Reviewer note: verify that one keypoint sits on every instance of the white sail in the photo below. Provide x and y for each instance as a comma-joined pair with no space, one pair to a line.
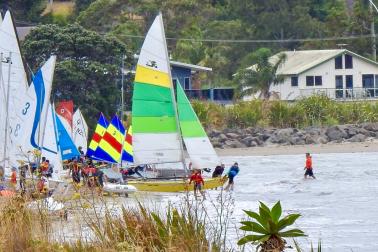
30,114
13,82
50,148
80,131
156,136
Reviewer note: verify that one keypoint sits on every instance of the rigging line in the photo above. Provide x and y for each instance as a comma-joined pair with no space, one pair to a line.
256,40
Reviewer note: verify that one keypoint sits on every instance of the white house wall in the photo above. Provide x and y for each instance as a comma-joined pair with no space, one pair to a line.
328,72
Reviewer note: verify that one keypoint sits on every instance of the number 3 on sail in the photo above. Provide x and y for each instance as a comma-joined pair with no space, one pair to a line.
25,110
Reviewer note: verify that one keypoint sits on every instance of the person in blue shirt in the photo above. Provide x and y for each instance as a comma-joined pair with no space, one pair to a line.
234,170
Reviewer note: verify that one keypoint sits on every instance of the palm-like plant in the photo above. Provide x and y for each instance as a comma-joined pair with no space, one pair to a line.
260,76
268,228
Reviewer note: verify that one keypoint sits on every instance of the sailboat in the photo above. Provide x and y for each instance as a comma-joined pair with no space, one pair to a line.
158,130
13,82
80,131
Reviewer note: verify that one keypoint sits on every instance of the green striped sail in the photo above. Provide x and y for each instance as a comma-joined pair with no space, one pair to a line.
200,150
155,133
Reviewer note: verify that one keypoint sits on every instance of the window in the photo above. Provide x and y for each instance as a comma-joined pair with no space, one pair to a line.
349,85
318,81
339,62
348,81
348,61
339,93
309,80
187,83
368,84
294,81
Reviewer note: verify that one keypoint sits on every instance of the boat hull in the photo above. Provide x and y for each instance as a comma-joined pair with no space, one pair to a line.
118,188
174,185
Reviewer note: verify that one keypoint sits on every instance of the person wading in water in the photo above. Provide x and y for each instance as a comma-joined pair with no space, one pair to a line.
308,167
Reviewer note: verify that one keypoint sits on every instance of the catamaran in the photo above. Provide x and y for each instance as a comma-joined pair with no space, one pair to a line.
160,123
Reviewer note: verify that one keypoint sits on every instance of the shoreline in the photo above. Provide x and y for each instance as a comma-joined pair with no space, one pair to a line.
345,147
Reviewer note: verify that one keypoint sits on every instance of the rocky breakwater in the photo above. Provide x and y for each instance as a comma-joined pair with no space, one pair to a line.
253,137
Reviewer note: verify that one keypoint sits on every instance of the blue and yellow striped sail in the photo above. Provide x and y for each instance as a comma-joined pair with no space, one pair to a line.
102,125
111,144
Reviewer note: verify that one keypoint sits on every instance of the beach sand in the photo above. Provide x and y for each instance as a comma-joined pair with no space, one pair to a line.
347,147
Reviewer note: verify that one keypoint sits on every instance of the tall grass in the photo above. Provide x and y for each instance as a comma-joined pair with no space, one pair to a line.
317,110
183,227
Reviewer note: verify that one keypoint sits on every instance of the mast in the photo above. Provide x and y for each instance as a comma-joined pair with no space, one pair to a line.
173,94
122,104
9,61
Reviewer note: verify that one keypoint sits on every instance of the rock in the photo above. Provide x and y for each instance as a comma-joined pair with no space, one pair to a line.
322,140
310,139
336,133
252,144
232,135
233,144
297,140
312,131
247,140
351,131
222,137
358,138
214,133
370,126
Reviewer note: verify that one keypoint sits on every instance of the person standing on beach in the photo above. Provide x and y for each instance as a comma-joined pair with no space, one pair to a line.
234,170
308,167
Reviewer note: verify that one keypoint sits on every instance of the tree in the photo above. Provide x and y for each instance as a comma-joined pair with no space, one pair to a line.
268,232
261,75
87,69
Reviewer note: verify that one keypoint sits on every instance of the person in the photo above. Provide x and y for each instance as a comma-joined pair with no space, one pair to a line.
218,171
75,172
23,169
44,167
308,167
234,170
13,180
50,170
198,182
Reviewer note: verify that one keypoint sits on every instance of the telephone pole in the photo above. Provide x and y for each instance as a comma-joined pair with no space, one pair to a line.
372,29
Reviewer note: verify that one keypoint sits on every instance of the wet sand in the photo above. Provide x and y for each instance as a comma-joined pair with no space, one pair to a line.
300,149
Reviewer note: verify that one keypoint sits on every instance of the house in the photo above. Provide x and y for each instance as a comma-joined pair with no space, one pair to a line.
187,74
340,74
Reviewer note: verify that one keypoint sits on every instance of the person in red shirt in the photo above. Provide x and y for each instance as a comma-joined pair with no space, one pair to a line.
198,182
308,167
13,179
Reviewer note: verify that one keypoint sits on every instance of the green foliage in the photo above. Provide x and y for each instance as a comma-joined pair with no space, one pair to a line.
87,68
244,114
268,228
259,77
312,111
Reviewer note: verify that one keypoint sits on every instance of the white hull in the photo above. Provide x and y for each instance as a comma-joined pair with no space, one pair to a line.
118,188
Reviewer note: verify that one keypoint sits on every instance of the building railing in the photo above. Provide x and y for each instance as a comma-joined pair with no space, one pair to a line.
342,93
220,95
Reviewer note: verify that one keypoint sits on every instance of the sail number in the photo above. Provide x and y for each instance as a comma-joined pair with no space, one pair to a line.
25,110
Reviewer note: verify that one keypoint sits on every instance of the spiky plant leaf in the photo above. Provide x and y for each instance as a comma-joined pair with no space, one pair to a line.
276,212
254,227
287,221
251,238
257,217
292,233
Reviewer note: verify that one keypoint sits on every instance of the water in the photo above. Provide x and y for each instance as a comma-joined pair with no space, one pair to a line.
339,207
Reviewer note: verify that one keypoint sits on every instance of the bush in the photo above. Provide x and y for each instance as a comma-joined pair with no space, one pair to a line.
317,110
245,114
